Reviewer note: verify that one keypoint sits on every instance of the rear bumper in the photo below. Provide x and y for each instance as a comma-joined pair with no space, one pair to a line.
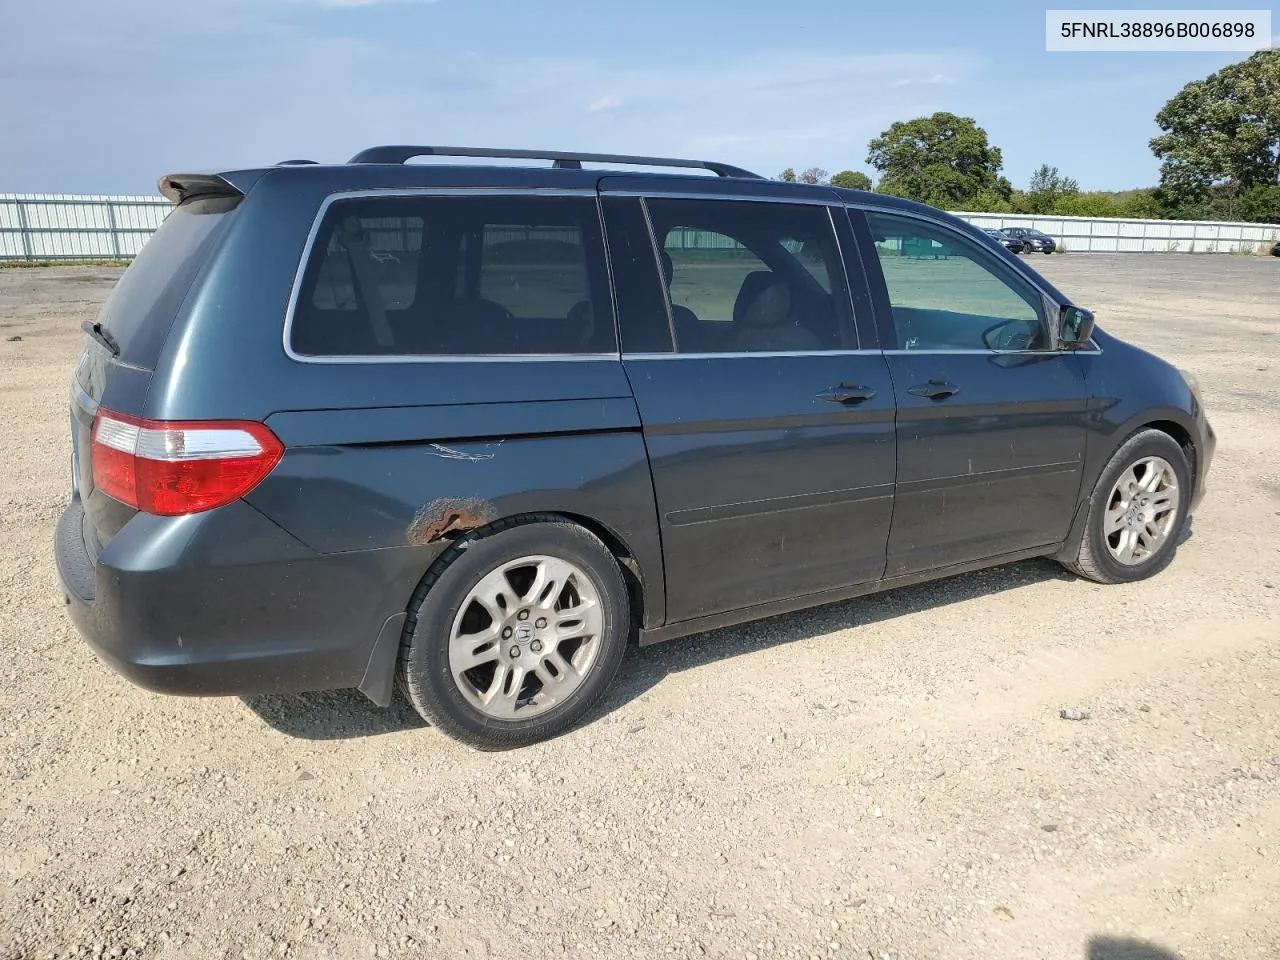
227,603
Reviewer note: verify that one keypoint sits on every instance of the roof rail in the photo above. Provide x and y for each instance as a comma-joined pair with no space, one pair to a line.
563,160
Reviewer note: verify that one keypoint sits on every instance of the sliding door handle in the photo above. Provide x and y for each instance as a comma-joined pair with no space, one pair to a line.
847,393
935,389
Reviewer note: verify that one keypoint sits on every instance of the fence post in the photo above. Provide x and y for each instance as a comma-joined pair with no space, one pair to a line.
115,230
24,230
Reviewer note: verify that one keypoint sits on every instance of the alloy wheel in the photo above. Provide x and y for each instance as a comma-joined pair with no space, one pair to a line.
526,636
1141,511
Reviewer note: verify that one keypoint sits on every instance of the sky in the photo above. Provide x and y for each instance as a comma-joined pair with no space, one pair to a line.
105,96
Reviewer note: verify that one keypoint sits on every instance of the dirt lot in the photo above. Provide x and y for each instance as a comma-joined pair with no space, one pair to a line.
886,778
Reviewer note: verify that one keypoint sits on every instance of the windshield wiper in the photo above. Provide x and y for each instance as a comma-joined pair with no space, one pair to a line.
95,330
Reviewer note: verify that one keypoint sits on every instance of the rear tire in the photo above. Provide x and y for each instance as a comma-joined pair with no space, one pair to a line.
1131,532
515,632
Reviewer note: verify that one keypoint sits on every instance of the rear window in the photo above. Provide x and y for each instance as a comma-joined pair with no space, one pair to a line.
440,276
142,306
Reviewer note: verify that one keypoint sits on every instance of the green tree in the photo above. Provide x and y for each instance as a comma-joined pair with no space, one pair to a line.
1087,205
992,201
1223,128
1260,204
1142,204
788,175
943,160
851,180
1047,186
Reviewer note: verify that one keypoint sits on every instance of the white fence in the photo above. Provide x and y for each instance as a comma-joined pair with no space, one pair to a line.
1104,235
36,227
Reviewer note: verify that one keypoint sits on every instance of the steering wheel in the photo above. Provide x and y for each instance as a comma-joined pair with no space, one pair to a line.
1007,335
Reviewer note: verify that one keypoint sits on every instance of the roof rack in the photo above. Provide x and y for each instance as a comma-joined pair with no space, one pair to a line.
563,160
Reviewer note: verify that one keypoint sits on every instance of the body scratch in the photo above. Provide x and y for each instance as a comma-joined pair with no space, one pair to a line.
450,453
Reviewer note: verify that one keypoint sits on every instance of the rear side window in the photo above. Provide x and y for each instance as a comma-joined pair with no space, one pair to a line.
532,271
451,276
751,277
392,245
142,307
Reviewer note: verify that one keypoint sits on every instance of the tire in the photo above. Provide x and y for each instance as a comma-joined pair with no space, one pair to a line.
445,616
1097,557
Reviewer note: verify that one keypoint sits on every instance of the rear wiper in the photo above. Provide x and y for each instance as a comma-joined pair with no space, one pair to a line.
95,330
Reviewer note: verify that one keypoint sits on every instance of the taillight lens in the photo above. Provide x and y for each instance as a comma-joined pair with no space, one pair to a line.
172,468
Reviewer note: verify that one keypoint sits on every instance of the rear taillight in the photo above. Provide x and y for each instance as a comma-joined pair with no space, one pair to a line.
171,468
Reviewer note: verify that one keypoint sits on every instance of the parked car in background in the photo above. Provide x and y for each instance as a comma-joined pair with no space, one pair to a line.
1275,249
475,428
1012,244
1033,241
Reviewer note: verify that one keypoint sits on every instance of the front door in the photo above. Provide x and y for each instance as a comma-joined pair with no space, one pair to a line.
770,434
991,415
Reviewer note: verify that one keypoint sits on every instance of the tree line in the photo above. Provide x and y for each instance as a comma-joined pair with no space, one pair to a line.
1219,147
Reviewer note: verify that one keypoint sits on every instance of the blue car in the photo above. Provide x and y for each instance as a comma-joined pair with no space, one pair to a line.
1033,241
472,429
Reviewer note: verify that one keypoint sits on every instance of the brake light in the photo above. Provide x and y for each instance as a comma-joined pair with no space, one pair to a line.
172,468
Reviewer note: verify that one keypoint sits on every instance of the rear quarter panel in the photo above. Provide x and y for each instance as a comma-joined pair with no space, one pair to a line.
377,479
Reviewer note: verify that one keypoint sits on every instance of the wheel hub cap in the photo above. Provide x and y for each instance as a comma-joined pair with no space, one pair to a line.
1142,510
526,637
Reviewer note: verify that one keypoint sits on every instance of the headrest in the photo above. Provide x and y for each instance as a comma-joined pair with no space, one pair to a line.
668,268
752,285
770,308
582,322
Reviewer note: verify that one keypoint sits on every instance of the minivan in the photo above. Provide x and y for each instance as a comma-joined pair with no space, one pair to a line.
473,428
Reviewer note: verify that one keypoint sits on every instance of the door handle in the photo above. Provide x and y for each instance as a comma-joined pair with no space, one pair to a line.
847,393
936,389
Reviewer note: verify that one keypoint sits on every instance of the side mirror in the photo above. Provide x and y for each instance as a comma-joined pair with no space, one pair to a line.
1075,327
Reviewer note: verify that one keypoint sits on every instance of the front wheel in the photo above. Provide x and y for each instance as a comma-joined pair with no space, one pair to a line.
516,633
1136,511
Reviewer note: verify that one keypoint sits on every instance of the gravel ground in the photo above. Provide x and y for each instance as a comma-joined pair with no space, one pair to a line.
886,778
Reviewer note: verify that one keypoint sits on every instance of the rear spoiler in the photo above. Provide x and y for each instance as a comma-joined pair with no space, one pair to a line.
185,186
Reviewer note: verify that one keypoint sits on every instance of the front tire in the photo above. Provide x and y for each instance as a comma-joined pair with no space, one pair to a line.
1136,511
515,633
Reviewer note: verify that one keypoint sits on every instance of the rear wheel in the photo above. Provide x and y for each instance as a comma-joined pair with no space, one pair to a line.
515,633
1136,511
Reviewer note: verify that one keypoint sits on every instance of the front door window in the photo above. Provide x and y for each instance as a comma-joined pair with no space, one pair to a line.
947,293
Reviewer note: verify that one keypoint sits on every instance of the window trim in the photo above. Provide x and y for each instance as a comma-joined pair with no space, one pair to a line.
655,249
1053,307
313,234
737,354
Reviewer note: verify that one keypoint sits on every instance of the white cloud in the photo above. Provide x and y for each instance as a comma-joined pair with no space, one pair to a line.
934,80
603,103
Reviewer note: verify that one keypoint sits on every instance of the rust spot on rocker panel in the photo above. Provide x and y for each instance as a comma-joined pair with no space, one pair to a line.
448,518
